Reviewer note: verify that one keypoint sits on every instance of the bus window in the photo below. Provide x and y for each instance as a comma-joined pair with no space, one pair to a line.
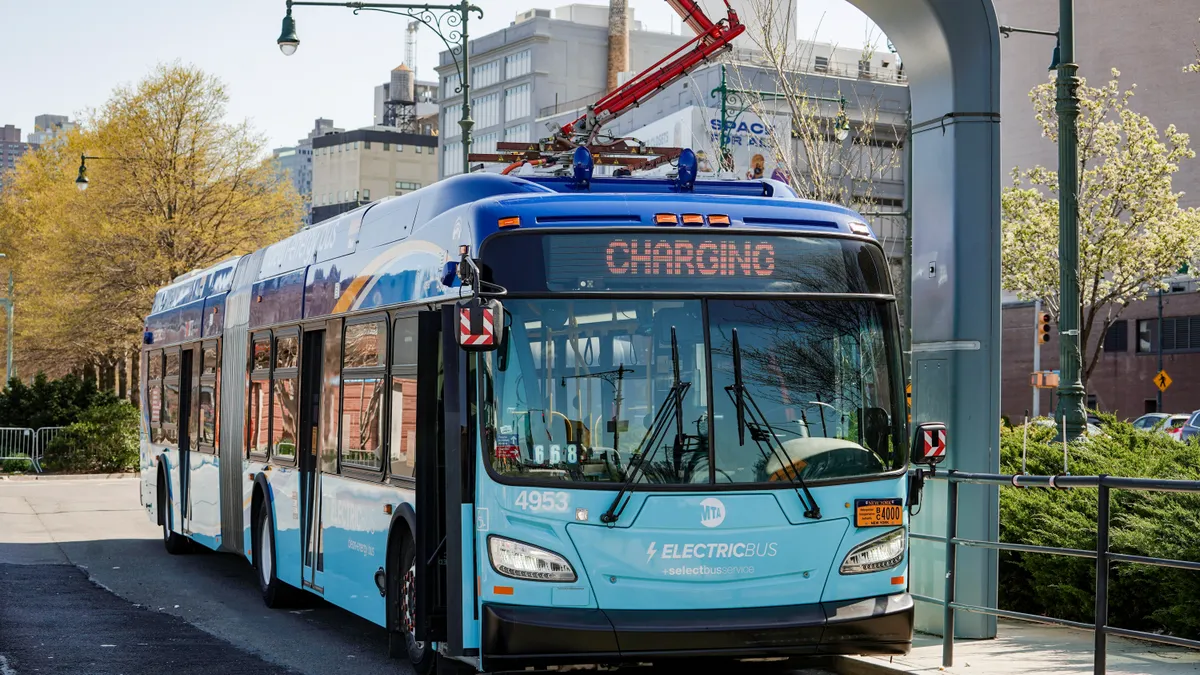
284,392
173,363
362,395
154,373
170,415
208,397
258,403
262,355
210,361
403,436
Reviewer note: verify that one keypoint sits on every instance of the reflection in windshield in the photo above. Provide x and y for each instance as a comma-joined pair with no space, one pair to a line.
585,390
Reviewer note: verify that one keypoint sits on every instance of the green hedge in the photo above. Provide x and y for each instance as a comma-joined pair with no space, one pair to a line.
49,403
104,440
1163,525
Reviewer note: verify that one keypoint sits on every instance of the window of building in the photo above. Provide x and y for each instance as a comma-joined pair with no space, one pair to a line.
485,142
516,102
517,134
406,186
516,65
387,147
864,68
450,85
451,114
363,395
485,109
485,75
366,195
403,431
1116,338
821,64
417,149
399,148
1179,334
452,158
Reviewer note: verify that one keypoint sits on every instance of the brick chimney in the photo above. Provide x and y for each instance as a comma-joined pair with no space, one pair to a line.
618,41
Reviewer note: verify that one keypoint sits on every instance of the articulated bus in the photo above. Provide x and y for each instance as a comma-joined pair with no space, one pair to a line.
528,421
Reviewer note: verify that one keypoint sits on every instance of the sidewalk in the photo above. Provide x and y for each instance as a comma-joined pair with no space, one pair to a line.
1031,649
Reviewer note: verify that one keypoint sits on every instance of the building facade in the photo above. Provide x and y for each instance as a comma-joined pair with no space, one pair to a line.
47,127
295,162
353,168
11,147
544,63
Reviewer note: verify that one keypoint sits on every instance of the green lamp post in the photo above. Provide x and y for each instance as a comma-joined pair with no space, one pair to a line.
448,22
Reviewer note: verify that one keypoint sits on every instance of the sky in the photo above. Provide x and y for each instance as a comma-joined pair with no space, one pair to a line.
66,57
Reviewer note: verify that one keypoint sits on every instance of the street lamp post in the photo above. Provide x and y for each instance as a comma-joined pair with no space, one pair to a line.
745,98
448,22
81,181
1070,355
7,303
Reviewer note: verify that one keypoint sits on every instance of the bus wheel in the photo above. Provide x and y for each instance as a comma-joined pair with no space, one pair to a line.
274,591
402,610
174,542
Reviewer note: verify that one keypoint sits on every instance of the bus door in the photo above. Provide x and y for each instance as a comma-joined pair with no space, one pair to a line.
309,435
184,432
445,553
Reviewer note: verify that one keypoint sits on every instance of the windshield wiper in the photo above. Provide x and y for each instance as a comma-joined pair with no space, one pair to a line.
672,407
761,430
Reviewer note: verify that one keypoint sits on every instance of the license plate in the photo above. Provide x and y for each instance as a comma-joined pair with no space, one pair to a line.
878,512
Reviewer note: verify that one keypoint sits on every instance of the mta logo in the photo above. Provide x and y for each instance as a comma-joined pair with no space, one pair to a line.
712,512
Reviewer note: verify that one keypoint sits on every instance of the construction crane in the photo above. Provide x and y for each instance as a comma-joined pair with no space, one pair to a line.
710,38
410,45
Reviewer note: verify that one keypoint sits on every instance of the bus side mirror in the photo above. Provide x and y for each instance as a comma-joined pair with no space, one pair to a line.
929,444
480,324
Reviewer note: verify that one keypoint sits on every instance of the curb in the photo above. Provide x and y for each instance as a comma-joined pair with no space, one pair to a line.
860,665
23,478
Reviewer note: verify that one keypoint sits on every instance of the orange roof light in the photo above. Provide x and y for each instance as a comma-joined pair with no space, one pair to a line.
666,219
511,221
693,219
718,219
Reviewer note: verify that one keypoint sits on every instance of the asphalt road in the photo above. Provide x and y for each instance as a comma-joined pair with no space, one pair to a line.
55,535
87,587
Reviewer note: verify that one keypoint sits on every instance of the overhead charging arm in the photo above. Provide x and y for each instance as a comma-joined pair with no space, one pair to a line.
711,37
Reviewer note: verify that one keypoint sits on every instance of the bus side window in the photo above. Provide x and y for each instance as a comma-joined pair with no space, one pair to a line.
208,397
170,413
363,361
285,377
403,419
154,373
258,403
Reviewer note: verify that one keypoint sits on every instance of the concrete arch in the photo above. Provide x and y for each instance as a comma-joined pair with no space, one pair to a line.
951,54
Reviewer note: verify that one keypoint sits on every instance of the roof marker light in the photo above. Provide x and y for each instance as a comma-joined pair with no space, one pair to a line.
860,228
693,219
512,221
666,219
718,220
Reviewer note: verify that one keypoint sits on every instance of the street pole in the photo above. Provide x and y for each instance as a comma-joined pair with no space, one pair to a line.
1070,387
448,22
1159,331
1037,357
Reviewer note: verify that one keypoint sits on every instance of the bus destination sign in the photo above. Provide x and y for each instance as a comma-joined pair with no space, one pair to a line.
689,257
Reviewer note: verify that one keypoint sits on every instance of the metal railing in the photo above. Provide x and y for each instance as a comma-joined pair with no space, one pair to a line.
23,443
1101,555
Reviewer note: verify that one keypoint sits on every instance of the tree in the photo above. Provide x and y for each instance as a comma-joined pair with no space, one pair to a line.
1132,232
1194,67
184,188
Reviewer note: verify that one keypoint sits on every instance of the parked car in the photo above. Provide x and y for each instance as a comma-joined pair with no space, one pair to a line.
1191,427
1169,423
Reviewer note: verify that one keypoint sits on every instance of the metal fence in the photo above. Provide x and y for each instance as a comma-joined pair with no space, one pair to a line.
1103,557
21,443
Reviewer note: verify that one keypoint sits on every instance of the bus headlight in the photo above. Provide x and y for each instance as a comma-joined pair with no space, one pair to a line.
880,553
523,561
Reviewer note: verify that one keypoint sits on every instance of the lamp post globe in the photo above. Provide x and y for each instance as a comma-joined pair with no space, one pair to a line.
288,41
81,181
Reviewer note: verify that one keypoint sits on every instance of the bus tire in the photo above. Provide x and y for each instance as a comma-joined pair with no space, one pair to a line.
174,542
401,599
275,593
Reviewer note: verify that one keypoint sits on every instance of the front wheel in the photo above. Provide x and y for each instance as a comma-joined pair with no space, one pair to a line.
402,605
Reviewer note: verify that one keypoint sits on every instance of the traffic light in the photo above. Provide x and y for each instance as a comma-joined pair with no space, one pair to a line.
1043,327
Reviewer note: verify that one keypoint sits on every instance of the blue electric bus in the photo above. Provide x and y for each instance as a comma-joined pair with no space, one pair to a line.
524,421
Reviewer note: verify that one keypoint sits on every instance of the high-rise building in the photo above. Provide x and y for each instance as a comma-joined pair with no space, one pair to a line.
11,148
352,168
47,127
296,162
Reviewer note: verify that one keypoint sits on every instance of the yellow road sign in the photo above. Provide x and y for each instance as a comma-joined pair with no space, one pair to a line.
1162,380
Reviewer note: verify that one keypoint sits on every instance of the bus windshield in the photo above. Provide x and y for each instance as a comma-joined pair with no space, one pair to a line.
584,390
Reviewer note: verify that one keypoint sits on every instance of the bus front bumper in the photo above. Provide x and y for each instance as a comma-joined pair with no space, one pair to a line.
515,634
